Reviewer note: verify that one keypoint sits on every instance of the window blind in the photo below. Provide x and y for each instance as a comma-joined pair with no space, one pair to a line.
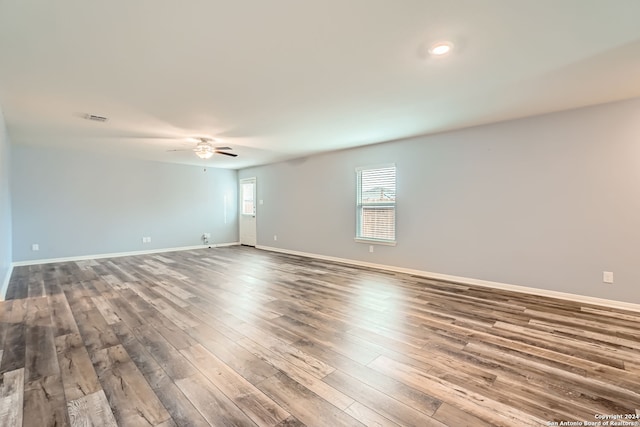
376,203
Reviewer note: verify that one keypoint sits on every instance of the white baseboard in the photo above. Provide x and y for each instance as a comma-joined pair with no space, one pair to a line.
468,281
120,254
5,283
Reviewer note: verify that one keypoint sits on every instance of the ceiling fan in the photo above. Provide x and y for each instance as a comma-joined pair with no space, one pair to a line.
205,149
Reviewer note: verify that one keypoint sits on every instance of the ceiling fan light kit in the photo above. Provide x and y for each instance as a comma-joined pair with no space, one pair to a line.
204,150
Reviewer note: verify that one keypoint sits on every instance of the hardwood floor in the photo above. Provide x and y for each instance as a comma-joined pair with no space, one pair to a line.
242,337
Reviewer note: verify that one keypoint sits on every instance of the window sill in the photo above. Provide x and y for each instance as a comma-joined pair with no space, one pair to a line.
375,241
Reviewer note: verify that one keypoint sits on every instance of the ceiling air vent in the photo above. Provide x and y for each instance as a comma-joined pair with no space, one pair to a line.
95,118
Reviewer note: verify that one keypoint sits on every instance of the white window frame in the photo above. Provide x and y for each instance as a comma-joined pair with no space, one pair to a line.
253,200
360,205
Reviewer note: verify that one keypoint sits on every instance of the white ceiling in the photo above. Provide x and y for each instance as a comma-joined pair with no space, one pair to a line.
287,78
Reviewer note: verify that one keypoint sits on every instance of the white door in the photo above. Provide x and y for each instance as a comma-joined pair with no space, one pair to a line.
248,211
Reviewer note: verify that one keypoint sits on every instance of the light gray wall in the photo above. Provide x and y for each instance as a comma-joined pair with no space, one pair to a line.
5,204
73,203
548,202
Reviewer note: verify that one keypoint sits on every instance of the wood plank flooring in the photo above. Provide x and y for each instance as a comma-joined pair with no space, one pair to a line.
242,337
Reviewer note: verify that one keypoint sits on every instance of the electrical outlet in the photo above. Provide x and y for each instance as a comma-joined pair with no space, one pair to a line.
146,240
370,248
607,276
275,237
35,247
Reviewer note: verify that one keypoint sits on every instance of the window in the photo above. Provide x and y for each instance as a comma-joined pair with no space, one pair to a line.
376,204
248,202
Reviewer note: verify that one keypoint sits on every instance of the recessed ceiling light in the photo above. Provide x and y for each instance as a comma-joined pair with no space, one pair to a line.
440,48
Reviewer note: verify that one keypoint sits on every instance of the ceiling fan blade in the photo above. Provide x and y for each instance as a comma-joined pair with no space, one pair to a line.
223,148
226,154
